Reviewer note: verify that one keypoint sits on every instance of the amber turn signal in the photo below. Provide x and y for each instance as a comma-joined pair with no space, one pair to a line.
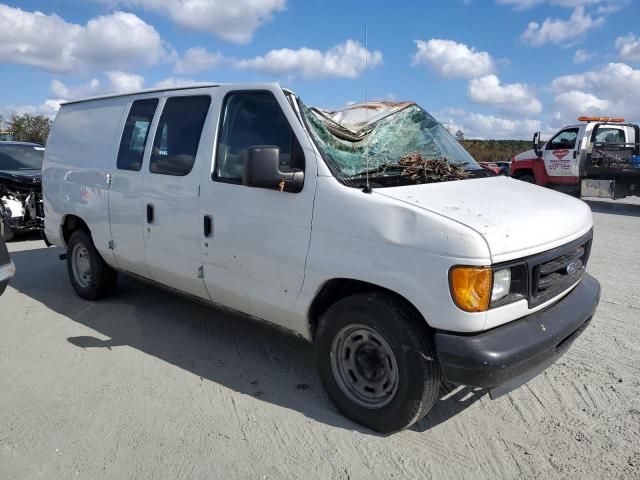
471,288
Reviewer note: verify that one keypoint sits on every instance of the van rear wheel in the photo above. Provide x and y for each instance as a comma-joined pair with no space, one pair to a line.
90,276
375,363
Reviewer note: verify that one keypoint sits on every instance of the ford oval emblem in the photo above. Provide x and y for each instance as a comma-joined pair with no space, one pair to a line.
574,267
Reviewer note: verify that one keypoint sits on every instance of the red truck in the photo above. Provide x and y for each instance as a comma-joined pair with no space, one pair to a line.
600,157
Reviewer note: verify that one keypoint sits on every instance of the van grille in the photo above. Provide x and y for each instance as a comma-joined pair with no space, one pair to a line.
554,271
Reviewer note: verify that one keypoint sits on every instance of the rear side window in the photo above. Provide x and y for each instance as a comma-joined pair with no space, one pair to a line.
610,135
251,119
134,136
178,135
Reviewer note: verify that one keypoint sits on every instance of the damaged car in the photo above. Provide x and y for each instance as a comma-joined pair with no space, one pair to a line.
21,207
367,230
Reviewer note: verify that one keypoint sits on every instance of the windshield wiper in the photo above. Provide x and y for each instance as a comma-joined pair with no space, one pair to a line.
373,171
481,173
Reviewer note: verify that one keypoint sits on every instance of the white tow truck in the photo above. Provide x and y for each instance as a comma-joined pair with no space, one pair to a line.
599,157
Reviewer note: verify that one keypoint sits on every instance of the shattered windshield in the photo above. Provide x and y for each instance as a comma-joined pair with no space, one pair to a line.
408,145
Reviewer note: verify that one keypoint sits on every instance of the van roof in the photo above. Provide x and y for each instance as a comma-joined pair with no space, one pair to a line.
141,92
193,86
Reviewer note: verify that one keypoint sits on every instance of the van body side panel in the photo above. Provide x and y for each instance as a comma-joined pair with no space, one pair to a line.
81,151
372,238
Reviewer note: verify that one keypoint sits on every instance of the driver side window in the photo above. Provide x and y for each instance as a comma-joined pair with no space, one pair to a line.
566,139
250,119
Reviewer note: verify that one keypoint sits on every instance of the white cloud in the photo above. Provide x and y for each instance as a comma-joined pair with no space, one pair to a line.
629,48
614,90
490,127
346,60
515,98
557,31
582,56
452,59
49,109
197,59
232,20
118,82
570,105
173,82
116,41
604,6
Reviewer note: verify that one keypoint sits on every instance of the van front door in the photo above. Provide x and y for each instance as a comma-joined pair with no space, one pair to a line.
561,153
171,195
257,239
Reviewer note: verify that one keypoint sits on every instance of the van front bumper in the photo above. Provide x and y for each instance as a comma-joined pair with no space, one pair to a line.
506,357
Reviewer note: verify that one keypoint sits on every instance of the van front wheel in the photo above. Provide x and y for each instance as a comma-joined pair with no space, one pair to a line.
375,363
90,276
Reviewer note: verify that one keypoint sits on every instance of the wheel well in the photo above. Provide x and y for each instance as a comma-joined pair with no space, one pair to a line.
524,171
339,288
71,224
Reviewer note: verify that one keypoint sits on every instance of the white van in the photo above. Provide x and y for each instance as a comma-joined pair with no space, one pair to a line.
369,231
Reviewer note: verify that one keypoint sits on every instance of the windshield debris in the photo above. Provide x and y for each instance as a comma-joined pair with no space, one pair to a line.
404,142
428,170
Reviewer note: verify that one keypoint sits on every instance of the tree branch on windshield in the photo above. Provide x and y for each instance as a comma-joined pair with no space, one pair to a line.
428,170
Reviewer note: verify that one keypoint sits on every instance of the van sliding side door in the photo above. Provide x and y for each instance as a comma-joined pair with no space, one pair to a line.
125,191
171,202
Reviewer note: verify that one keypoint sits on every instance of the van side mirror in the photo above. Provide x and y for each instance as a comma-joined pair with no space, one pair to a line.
537,147
262,169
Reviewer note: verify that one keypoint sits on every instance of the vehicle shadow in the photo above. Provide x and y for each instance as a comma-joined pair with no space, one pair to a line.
247,356
626,209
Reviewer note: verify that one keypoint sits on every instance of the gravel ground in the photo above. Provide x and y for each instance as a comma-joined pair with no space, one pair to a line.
149,385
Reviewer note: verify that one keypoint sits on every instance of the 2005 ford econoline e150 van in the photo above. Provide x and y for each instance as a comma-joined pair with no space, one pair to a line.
368,230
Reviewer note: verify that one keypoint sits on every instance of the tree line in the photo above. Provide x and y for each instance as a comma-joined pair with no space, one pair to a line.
495,150
26,127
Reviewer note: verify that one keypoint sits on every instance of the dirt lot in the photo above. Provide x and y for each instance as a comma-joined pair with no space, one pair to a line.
148,385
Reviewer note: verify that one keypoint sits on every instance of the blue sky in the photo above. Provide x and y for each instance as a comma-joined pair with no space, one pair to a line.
492,68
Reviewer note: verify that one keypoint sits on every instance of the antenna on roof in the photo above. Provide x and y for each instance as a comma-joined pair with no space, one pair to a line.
367,189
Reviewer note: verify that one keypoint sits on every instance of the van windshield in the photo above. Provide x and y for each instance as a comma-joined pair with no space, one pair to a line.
406,146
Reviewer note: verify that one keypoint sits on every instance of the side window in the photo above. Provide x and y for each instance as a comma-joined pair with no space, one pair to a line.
610,135
134,135
566,139
178,135
250,119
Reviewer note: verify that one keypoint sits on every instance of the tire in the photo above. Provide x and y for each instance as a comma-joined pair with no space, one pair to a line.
527,177
90,276
5,231
404,396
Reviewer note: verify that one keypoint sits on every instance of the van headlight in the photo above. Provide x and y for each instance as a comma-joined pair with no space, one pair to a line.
477,289
501,284
471,287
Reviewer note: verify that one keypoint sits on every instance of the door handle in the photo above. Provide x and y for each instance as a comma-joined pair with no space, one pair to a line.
149,213
208,226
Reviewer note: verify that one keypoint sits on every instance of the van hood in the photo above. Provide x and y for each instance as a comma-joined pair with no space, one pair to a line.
515,218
